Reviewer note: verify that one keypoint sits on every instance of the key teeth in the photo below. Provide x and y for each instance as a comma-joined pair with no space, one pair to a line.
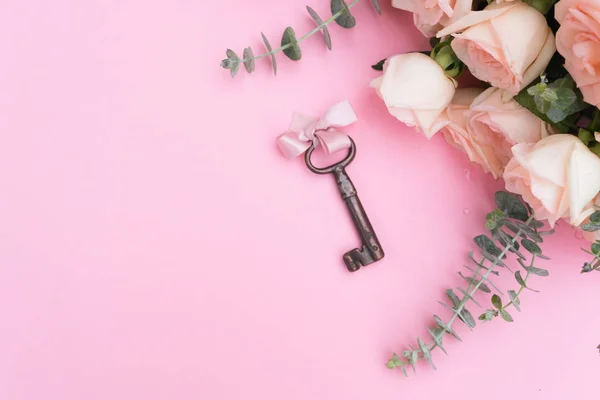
352,264
356,258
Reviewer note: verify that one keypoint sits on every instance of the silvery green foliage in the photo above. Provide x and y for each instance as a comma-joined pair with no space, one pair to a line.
554,102
290,42
592,226
512,230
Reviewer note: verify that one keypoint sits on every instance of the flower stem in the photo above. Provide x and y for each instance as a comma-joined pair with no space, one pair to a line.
306,36
595,124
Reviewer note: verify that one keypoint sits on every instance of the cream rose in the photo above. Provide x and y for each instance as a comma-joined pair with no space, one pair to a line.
508,45
415,90
432,15
453,125
578,40
486,127
559,177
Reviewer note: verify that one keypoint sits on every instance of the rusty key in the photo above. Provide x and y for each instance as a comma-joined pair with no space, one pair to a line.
371,250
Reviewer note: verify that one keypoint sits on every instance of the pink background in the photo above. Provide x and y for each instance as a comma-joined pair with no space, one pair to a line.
155,245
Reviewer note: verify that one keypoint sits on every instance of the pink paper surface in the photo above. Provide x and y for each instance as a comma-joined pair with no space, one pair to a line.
155,245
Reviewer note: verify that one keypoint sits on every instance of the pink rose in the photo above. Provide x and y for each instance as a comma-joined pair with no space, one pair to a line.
432,15
488,127
578,40
508,45
454,122
415,90
558,177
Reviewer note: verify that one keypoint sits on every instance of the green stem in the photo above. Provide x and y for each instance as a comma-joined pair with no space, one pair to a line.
595,125
472,289
306,36
594,264
518,293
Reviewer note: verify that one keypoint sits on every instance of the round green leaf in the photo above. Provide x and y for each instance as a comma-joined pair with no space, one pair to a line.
289,39
531,246
497,301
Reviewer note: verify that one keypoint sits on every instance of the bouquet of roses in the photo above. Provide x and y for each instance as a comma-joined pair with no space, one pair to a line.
533,121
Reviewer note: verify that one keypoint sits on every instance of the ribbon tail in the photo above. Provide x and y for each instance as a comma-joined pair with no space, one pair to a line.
340,114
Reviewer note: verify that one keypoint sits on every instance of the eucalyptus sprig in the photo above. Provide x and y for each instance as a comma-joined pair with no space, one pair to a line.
510,223
553,101
592,226
290,43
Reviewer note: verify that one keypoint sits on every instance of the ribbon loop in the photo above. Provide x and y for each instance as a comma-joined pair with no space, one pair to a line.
306,130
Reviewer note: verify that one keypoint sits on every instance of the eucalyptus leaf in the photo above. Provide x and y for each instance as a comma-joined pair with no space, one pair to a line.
453,297
487,316
493,259
515,299
232,55
403,369
248,59
482,286
506,316
440,322
596,248
506,240
556,114
293,52
234,62
537,271
270,50
537,224
542,104
565,82
590,227
320,24
595,217
536,89
549,94
497,301
521,281
480,265
531,246
234,69
377,6
518,226
467,295
414,356
529,102
426,353
494,219
466,317
345,19
511,205
487,244
565,98
437,335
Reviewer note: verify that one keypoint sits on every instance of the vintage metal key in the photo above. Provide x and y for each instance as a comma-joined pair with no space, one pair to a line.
371,250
